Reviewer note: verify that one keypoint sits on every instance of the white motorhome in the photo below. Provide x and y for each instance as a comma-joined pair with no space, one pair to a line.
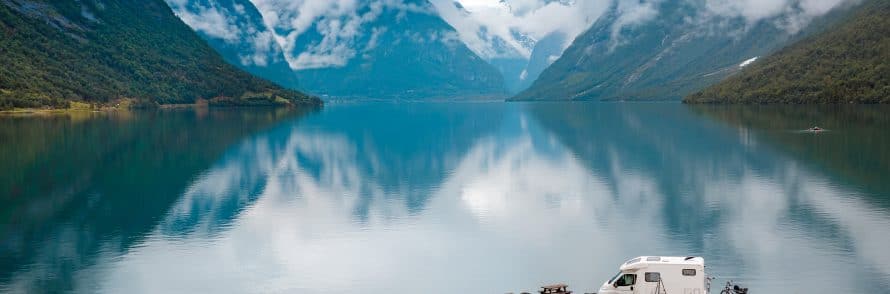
659,275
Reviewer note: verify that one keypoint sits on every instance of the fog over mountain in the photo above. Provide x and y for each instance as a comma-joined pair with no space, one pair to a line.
237,31
662,50
512,27
351,48
380,49
518,37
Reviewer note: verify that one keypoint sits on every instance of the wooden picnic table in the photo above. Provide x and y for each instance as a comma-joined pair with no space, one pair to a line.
555,289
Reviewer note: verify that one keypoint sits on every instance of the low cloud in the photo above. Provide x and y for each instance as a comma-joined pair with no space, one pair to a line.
210,20
341,24
490,28
225,23
631,13
791,15
510,28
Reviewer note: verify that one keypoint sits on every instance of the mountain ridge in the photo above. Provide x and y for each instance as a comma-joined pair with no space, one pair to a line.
102,51
244,41
845,64
439,64
680,50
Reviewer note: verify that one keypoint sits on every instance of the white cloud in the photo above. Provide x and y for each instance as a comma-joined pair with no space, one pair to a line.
342,24
375,37
217,21
792,15
490,28
510,28
717,16
210,20
631,13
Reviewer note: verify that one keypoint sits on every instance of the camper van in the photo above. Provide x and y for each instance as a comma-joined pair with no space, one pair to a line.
659,275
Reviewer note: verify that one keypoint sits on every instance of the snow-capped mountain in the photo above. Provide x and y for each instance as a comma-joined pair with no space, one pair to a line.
519,37
387,49
351,48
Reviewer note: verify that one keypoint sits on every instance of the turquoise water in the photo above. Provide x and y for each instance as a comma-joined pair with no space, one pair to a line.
442,198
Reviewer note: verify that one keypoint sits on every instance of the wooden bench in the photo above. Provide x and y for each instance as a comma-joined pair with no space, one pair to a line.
555,289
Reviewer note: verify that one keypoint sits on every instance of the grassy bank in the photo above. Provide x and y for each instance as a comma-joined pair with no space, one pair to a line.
129,104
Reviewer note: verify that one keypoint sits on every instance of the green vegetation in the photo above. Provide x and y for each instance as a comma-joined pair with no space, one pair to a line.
54,52
846,64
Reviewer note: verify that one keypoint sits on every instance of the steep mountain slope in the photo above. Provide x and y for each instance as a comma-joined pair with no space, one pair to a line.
511,68
53,52
235,28
660,51
511,63
846,64
403,51
543,54
520,38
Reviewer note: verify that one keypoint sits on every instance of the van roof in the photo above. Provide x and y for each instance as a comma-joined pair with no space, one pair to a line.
646,261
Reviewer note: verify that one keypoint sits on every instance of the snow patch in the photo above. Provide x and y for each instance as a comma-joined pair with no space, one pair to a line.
748,62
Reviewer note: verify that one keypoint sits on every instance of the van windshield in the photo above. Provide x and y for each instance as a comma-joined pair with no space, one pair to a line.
626,280
615,277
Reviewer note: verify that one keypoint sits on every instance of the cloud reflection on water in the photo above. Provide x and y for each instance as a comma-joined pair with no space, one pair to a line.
520,209
527,199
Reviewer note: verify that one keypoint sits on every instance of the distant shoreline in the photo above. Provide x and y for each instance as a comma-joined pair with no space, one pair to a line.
128,105
79,107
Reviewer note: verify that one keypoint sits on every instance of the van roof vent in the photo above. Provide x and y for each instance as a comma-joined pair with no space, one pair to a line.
653,258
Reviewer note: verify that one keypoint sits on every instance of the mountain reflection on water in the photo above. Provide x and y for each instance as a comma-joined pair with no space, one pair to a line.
445,198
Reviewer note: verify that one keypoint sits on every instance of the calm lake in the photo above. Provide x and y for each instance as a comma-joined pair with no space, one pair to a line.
443,198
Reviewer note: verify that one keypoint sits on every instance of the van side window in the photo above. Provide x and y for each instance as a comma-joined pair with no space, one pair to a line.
626,280
653,277
688,272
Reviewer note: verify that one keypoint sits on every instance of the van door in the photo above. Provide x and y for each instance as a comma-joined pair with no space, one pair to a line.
625,284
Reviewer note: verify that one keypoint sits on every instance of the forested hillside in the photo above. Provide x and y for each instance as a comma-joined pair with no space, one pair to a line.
97,51
242,38
847,64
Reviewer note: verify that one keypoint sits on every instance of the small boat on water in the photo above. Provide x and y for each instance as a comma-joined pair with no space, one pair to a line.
815,129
